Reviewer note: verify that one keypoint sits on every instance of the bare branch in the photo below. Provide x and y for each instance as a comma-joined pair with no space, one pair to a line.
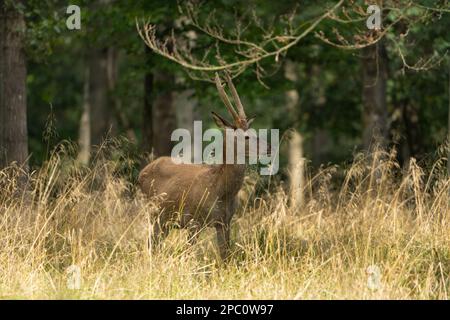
373,37
250,56
251,53
422,64
356,46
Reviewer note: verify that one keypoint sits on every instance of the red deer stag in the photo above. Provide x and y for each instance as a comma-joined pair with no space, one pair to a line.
199,194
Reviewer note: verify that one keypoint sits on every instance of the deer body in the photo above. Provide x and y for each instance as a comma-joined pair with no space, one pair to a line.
197,192
196,195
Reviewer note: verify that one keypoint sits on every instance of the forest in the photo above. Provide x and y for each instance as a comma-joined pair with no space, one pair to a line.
91,92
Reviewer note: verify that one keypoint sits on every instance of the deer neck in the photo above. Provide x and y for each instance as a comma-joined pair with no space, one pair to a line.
229,176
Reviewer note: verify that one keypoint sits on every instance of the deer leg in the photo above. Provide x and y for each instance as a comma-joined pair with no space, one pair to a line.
194,230
223,239
223,231
191,225
158,232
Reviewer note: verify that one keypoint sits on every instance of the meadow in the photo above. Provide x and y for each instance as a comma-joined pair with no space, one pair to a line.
370,216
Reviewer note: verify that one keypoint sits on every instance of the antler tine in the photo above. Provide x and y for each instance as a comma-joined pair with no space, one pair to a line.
236,98
225,98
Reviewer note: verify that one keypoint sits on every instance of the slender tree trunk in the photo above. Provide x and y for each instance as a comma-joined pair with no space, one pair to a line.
102,64
412,130
321,143
397,131
375,116
99,104
185,104
101,117
84,136
119,118
292,97
320,139
296,170
296,165
164,120
147,114
13,104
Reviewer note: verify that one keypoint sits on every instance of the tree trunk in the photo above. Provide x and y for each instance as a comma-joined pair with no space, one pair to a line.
119,118
185,104
321,139
296,165
412,130
84,136
321,143
375,116
164,120
147,118
296,170
101,117
13,104
292,96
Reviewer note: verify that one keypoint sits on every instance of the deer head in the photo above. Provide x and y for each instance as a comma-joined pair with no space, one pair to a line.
240,125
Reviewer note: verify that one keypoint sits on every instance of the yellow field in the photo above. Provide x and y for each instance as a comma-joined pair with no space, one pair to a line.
382,233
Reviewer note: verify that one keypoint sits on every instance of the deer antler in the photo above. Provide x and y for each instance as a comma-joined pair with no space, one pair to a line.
225,99
236,98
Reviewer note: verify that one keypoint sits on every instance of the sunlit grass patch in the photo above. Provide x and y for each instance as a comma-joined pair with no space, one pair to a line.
379,217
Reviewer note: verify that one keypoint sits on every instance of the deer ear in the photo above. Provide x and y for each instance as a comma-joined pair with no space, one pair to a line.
221,122
250,120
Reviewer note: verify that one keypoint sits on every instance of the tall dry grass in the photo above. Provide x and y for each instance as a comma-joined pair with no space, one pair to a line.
371,216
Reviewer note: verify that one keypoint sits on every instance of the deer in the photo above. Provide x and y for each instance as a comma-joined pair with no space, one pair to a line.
197,195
